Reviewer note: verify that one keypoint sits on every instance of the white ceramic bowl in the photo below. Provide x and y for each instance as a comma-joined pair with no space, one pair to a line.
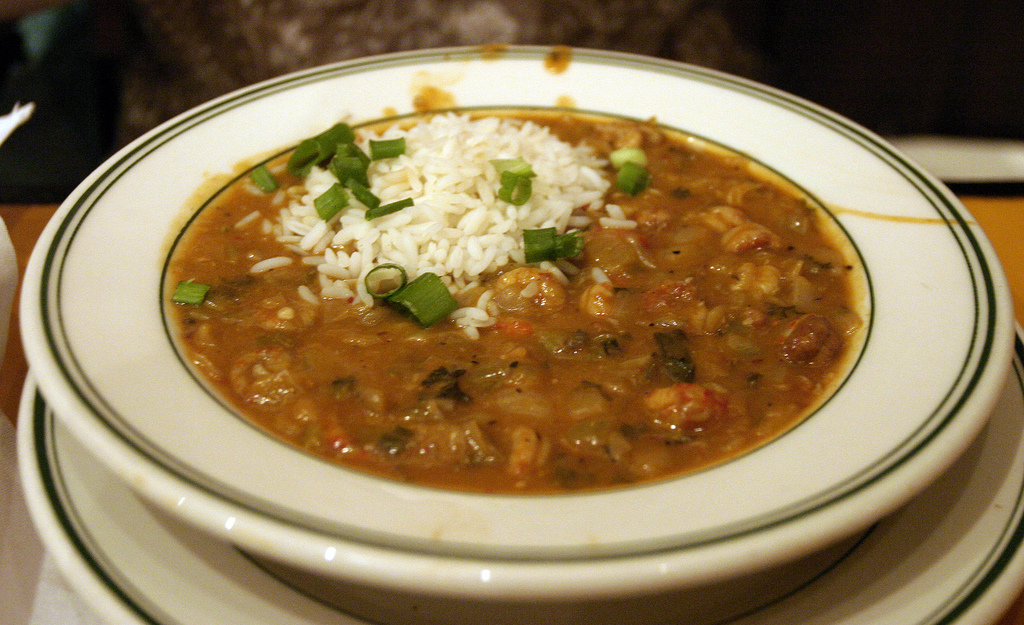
936,354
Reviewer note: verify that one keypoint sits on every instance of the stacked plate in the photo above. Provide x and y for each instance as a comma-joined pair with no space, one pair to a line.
159,499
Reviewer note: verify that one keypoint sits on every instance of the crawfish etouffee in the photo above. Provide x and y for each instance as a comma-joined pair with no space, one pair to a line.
688,307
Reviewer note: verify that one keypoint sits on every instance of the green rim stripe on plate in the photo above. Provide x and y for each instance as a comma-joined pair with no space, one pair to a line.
946,410
1005,549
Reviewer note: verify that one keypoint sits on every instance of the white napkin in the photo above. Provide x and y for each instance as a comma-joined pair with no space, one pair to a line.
18,116
32,591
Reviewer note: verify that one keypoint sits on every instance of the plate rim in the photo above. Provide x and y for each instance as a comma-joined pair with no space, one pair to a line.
987,593
965,236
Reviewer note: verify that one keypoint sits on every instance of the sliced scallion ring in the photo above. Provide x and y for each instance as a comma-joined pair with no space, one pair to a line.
516,186
387,209
568,245
517,166
632,178
331,201
189,292
362,194
538,244
542,244
387,148
319,149
263,179
515,189
347,167
622,156
384,280
426,298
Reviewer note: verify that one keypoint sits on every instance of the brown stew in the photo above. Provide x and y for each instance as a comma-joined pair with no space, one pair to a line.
729,314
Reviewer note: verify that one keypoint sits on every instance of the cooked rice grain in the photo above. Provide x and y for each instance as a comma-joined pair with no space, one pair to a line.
270,263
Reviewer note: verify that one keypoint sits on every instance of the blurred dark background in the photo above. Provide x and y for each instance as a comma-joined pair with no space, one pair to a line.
950,67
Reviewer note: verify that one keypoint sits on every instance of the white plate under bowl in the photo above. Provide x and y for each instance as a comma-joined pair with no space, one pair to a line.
938,347
952,556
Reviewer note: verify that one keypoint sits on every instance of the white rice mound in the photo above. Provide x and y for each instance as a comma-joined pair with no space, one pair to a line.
457,228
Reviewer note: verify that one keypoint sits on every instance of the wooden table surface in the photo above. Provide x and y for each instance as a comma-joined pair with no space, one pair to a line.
1001,218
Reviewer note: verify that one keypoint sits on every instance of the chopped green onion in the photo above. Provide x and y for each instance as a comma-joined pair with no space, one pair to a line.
331,201
189,292
362,194
385,280
517,166
538,244
349,167
632,178
351,149
319,149
622,156
515,189
338,133
263,179
303,158
387,209
426,298
516,186
546,244
387,148
568,245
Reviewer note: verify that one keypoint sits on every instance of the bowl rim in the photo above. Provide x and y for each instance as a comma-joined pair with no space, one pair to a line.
791,534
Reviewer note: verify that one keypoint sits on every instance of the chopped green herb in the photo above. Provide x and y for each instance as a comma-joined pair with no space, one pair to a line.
426,298
568,245
336,134
331,202
319,149
632,178
347,167
674,358
263,179
387,148
516,186
304,158
351,149
515,190
546,244
387,209
384,280
394,442
336,149
189,292
446,383
622,156
362,194
517,166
